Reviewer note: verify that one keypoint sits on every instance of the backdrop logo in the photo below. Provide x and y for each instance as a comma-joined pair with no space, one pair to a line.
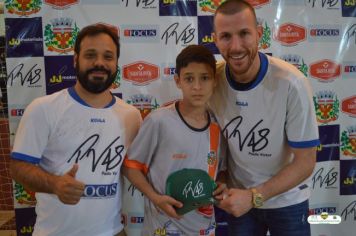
296,61
205,26
168,71
209,5
265,41
325,70
144,103
327,4
117,80
17,112
178,8
348,8
61,4
60,73
184,36
350,70
317,210
60,35
141,73
348,106
324,33
140,33
348,141
329,148
289,34
326,106
258,3
23,8
24,37
348,177
23,196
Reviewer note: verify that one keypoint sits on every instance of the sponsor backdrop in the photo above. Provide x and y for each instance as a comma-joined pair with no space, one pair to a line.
317,36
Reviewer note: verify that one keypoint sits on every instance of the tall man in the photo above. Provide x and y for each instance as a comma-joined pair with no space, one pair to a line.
264,107
70,145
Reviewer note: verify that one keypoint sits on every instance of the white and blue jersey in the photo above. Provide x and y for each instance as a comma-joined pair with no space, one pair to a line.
60,130
263,122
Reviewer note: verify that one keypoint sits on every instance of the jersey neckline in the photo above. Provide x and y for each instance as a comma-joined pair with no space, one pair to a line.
76,97
186,123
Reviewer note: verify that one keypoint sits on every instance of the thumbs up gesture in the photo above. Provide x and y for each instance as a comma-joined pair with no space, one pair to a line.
67,188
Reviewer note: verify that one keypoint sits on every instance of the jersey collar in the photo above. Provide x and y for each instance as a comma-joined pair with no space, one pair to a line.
76,97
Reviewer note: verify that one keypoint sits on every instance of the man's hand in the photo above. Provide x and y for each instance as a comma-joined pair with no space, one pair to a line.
220,191
167,205
236,201
67,188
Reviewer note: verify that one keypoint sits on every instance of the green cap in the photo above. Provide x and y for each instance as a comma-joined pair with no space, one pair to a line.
193,187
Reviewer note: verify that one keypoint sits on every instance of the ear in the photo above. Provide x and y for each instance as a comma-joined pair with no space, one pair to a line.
214,36
177,80
259,31
75,59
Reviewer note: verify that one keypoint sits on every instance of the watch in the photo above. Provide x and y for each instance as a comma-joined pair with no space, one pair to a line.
257,198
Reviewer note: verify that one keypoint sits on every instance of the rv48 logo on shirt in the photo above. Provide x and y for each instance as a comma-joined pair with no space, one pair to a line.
256,138
110,158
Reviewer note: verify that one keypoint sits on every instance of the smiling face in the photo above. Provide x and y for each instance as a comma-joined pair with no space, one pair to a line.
96,64
197,82
237,36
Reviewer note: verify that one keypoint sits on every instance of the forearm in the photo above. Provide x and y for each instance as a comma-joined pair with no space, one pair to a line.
291,175
32,177
139,180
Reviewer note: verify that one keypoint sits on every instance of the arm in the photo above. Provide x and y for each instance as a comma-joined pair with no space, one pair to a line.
164,202
33,177
239,201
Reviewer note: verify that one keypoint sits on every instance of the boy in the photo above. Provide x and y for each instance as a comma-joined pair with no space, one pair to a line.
176,137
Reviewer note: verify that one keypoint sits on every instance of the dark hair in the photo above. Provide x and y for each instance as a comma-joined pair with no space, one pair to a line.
95,29
230,7
195,53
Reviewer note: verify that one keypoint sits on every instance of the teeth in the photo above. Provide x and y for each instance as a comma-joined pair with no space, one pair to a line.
237,56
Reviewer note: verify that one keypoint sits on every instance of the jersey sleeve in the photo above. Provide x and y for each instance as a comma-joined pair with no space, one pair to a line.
301,125
32,134
142,149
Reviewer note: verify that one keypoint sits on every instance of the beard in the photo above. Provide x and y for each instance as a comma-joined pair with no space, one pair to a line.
96,84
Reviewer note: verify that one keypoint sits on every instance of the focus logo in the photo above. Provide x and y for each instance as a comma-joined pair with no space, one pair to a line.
136,220
319,210
140,33
17,112
100,191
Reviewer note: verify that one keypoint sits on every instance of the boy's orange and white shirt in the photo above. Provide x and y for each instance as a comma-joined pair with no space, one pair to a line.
165,144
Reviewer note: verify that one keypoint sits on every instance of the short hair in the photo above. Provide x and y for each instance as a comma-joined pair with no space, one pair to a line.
95,29
195,53
230,7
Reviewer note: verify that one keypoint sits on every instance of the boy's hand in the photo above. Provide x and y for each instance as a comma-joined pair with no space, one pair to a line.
167,205
220,192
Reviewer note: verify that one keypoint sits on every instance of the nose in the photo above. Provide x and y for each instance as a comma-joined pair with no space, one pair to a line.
197,84
235,44
99,61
